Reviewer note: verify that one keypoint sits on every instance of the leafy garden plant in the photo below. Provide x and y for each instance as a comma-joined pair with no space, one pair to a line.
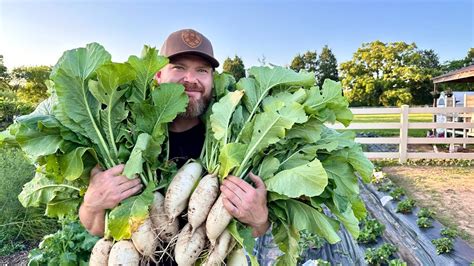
371,229
425,212
397,193
424,222
449,233
381,255
443,245
406,206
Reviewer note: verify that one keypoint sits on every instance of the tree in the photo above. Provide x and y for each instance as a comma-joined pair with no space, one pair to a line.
385,74
308,61
30,83
326,66
453,65
3,75
235,67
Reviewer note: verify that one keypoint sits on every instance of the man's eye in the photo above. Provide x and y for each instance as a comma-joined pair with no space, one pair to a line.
178,67
202,70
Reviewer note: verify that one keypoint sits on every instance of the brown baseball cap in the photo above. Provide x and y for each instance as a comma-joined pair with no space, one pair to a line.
188,41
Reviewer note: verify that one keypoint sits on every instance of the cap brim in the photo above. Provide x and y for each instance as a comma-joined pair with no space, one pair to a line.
214,63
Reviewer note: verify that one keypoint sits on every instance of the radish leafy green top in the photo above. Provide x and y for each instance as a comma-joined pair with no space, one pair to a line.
104,113
274,125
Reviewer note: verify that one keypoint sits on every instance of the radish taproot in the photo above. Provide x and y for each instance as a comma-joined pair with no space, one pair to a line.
145,239
202,200
217,220
225,243
164,227
124,253
237,258
189,245
100,252
179,191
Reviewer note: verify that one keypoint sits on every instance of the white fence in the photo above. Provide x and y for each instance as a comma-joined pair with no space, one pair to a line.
403,140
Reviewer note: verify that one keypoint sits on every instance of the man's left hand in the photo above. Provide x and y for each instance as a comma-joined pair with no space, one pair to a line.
246,203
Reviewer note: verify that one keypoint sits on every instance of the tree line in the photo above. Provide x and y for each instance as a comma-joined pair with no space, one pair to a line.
379,74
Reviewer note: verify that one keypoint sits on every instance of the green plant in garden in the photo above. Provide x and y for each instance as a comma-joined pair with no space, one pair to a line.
425,212
371,229
424,222
381,255
397,262
406,206
443,245
449,233
18,225
308,240
385,186
71,245
397,193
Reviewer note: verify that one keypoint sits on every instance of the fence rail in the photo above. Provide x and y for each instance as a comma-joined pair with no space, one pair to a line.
456,129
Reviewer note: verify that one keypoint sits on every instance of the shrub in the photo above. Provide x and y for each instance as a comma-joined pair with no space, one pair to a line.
406,206
371,229
449,233
17,224
380,255
443,245
424,222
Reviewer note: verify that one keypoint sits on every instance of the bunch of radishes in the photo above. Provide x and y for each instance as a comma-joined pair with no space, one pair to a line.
205,229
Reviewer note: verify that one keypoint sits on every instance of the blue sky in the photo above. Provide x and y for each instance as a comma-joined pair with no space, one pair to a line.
37,32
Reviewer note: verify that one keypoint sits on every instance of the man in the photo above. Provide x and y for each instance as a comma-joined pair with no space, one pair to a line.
192,64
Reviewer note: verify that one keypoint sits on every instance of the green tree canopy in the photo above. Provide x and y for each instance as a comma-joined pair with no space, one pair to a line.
326,66
235,67
388,74
30,83
307,61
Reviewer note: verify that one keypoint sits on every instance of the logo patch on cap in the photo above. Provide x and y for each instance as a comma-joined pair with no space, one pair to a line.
191,38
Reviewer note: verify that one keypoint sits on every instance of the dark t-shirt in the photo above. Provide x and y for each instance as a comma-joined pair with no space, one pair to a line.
184,146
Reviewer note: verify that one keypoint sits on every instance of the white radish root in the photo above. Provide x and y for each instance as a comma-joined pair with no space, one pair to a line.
179,191
100,252
217,220
225,243
145,239
237,258
124,253
202,200
189,246
165,228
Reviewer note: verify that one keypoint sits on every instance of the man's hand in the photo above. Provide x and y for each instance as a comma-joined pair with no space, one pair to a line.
105,191
246,203
108,188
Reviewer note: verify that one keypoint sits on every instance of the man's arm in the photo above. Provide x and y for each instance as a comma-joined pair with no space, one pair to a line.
105,191
246,203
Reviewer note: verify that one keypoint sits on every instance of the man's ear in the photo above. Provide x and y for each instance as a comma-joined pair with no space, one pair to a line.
158,76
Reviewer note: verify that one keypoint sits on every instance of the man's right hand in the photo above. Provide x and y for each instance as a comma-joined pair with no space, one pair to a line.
106,190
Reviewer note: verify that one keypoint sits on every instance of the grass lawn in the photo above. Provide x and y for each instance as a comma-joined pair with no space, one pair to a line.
392,118
449,191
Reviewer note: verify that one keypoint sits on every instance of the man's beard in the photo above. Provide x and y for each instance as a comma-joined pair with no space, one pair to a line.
196,107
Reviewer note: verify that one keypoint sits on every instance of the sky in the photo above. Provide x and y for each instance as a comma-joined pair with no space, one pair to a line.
38,32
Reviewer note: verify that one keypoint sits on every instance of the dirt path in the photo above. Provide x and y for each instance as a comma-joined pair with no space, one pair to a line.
449,191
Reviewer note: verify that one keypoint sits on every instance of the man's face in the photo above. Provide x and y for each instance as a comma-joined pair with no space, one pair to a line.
195,74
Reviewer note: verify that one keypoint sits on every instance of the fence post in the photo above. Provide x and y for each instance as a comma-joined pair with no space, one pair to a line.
403,134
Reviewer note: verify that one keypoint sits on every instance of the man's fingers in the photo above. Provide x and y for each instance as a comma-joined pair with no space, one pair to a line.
132,191
257,180
230,207
129,184
96,170
238,183
116,170
231,195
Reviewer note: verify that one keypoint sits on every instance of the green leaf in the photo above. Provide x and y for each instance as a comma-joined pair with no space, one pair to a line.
309,131
222,113
231,155
268,167
339,170
77,108
223,84
328,104
146,67
287,237
306,180
348,219
305,217
243,235
299,157
361,163
134,164
72,165
125,219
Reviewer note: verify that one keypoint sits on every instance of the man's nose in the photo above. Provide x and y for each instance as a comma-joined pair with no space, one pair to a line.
190,77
